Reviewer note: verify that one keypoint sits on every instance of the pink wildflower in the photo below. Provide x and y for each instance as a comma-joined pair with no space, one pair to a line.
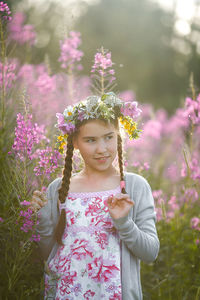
190,195
102,65
5,12
173,203
27,220
63,125
131,109
21,33
127,95
153,128
7,74
194,167
70,55
25,203
46,84
48,161
194,223
26,136
35,238
192,108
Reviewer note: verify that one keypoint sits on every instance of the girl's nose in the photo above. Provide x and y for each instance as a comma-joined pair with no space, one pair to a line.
101,146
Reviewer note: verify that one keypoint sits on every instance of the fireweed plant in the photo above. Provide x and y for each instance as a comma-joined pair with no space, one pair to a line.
167,153
175,177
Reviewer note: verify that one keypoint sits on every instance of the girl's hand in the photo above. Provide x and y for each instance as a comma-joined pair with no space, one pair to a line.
119,205
38,201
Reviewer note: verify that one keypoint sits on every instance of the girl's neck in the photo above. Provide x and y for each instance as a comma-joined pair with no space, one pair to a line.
93,182
92,176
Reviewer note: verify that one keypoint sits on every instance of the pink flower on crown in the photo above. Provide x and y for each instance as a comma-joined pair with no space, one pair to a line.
66,128
130,109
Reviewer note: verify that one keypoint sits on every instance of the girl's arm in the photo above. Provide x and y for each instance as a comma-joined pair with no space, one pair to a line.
140,236
47,217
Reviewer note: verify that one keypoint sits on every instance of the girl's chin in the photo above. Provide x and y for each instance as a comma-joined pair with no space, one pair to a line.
102,165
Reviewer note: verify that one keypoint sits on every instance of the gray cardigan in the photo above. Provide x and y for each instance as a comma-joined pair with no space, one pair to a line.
137,232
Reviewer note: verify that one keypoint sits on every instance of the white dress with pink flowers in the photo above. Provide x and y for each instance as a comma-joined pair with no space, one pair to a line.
88,265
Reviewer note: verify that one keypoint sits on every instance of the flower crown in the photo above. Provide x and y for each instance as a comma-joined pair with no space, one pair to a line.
106,107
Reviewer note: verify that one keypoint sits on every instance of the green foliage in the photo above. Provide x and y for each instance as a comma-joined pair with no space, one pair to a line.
175,273
21,265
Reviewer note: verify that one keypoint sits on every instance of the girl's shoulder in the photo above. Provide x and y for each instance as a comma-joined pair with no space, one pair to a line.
54,185
135,180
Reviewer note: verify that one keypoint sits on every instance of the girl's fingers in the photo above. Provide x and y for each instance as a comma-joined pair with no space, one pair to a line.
40,195
109,201
112,201
37,202
35,207
123,197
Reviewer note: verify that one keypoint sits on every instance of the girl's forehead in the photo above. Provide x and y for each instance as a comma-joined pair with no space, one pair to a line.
96,127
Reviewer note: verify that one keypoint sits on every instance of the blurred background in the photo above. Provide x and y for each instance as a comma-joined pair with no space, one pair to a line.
155,44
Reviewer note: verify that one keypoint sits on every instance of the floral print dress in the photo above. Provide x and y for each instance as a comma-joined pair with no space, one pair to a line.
88,265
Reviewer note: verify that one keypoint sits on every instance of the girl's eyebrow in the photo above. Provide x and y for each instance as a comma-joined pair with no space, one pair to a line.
93,137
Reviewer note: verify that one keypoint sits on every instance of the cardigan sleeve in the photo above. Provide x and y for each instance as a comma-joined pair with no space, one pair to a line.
47,221
140,236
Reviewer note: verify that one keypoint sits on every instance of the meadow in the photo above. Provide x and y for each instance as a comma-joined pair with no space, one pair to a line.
167,154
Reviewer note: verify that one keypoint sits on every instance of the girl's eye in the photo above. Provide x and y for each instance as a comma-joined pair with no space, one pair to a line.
90,140
109,137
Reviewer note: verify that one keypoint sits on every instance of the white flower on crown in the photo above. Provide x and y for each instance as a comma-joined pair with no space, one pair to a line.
112,100
68,112
90,114
92,102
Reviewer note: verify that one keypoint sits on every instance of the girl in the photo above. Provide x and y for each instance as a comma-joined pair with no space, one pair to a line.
96,225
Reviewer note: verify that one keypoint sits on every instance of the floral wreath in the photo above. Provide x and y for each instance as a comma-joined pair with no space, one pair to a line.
106,107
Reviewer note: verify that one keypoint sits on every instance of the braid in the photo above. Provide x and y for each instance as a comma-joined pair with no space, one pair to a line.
63,191
120,160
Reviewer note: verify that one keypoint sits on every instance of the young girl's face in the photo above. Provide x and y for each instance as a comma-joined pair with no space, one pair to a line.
97,143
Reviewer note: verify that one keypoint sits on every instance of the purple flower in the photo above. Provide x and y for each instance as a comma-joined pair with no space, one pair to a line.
47,161
130,109
1,220
7,74
102,65
81,116
25,203
153,129
190,195
46,84
103,61
35,238
5,12
66,128
61,120
27,135
195,223
127,95
21,33
70,55
192,108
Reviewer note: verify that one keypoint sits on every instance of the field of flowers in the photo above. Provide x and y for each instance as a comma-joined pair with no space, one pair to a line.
167,154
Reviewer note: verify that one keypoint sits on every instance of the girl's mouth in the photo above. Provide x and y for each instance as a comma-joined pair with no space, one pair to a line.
102,159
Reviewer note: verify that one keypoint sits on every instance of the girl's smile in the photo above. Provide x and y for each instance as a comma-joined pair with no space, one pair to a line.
102,159
97,143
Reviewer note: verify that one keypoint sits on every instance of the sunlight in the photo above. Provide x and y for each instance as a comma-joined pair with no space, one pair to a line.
182,27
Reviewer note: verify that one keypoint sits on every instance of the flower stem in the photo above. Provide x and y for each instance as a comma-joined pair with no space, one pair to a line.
3,58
